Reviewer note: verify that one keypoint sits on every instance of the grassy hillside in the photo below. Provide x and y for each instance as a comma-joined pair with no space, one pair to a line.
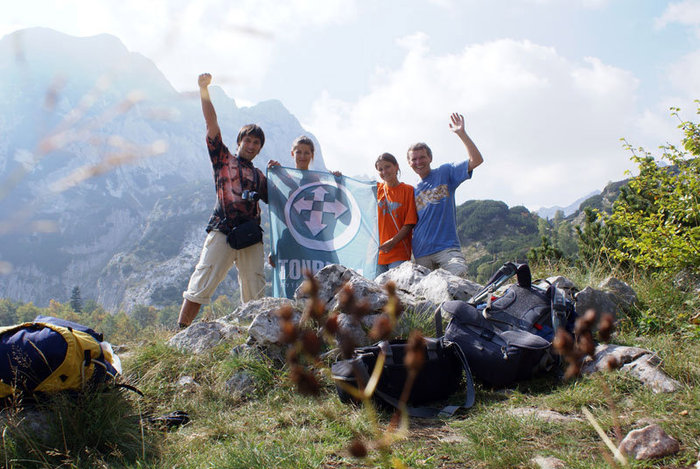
277,427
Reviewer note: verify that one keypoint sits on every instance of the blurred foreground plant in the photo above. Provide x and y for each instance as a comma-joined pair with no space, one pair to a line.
305,359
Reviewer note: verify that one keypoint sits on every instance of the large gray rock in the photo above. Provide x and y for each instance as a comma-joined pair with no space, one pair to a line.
265,328
331,279
598,300
563,283
27,423
688,280
650,442
622,294
357,330
638,362
246,312
241,384
365,290
204,335
405,276
440,285
543,414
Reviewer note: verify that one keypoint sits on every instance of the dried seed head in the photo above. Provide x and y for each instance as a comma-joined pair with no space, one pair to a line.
346,297
332,323
415,351
360,310
563,343
306,382
606,325
315,308
310,286
612,363
357,448
311,343
288,332
585,322
585,343
573,370
285,313
346,343
292,356
381,329
390,288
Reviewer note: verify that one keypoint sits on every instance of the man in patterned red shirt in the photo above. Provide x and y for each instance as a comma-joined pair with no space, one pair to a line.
239,186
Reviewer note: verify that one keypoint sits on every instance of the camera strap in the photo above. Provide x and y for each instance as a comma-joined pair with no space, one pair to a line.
243,179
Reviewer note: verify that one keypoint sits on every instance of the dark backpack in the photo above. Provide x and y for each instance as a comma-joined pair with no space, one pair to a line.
439,378
509,339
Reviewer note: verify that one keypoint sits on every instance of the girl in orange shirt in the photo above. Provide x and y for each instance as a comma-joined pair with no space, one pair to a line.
396,214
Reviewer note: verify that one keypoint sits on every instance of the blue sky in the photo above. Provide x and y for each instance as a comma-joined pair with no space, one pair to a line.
547,87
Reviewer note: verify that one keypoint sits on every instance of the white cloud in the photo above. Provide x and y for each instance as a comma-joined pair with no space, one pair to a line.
591,4
686,12
548,128
235,41
684,74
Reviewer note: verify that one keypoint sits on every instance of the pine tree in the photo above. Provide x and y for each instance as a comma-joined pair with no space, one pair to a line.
76,302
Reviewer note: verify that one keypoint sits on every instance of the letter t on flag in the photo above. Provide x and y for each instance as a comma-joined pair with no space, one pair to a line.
317,219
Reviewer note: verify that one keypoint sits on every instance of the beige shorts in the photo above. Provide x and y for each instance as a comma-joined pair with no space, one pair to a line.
452,260
216,260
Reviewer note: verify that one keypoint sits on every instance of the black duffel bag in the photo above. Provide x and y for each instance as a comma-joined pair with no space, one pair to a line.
438,379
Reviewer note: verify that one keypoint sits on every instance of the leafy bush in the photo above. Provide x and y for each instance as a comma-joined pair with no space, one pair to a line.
655,223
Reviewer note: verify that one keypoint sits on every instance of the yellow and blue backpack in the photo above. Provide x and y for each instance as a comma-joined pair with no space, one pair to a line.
50,355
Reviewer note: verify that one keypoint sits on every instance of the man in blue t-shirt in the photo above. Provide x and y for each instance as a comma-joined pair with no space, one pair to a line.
435,240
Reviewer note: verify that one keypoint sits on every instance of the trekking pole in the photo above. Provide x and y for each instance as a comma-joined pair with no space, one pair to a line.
506,271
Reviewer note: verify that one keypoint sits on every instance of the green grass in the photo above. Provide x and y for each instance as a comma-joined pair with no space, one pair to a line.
277,427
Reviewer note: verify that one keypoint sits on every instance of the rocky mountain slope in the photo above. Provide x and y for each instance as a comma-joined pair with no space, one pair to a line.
105,181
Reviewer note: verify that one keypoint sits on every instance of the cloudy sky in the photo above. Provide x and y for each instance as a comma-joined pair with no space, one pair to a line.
547,87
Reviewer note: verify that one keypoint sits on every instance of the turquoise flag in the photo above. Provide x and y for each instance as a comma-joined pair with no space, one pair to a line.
318,219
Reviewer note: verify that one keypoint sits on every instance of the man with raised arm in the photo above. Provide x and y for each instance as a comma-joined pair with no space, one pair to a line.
435,240
239,186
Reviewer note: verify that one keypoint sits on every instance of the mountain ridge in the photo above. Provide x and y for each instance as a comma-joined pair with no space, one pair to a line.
86,162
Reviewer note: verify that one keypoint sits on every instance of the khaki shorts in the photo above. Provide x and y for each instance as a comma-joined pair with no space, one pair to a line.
452,260
216,260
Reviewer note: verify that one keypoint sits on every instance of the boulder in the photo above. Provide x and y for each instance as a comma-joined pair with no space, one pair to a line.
563,283
365,290
331,278
650,442
688,280
265,329
357,331
204,335
246,312
638,362
241,384
622,294
405,276
598,300
440,285
543,414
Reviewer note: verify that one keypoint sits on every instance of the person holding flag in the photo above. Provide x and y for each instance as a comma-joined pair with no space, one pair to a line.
318,218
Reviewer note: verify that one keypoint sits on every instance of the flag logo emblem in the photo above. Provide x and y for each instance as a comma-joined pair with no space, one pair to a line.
322,216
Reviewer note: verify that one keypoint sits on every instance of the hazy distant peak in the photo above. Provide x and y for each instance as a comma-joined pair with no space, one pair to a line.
50,54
